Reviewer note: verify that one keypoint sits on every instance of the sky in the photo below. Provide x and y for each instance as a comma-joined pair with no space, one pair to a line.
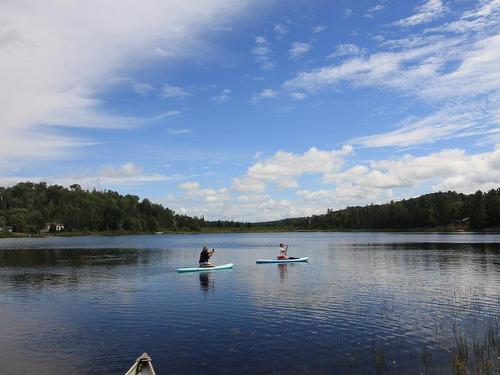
252,110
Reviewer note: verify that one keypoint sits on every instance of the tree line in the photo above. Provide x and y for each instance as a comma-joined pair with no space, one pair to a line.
29,207
443,209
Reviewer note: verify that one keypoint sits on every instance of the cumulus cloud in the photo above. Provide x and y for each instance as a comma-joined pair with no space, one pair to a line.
222,204
189,185
284,167
375,181
449,169
127,169
343,184
193,191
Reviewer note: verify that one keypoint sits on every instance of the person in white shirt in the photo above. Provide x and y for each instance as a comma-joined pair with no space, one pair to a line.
283,251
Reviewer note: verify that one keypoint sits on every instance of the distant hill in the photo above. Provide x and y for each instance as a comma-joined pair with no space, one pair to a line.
443,209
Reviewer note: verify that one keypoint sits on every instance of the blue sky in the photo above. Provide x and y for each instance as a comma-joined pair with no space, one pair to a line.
252,110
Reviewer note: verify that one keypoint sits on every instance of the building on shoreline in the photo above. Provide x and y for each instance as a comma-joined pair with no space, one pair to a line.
53,227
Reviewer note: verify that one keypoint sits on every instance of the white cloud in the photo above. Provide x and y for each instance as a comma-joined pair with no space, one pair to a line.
248,184
445,124
261,52
450,169
106,177
457,73
299,49
346,49
386,69
189,185
318,29
221,204
373,10
345,194
372,181
485,17
168,114
177,92
298,95
127,169
284,167
193,191
428,11
264,94
142,88
56,58
280,31
26,145
223,97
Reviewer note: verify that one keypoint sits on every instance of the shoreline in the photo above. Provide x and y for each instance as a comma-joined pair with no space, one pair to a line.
247,230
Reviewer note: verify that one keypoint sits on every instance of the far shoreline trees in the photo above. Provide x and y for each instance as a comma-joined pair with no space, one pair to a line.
28,207
437,210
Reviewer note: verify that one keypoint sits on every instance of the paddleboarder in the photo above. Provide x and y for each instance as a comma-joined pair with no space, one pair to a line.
205,255
283,251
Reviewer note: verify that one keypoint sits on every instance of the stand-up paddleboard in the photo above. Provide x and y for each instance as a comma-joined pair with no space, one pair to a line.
296,260
142,366
205,269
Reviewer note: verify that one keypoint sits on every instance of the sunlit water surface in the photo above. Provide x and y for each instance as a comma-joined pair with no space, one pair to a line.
365,303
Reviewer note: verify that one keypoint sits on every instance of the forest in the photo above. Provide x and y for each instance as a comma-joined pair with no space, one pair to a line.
29,207
437,210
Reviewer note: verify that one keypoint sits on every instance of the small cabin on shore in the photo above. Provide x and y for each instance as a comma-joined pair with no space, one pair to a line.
53,227
7,228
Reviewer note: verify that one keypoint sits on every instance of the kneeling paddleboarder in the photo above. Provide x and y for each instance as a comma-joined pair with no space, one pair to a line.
205,255
284,252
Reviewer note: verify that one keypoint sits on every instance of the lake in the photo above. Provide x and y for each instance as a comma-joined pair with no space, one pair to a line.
366,303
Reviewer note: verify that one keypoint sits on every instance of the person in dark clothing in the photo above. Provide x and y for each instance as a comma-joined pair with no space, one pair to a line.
205,255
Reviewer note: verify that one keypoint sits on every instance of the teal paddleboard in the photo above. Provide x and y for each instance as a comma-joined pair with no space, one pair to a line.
205,269
282,260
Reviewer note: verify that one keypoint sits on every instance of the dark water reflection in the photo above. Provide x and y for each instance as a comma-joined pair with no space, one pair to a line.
365,303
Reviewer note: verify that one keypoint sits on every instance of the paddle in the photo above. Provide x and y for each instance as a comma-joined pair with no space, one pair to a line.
290,258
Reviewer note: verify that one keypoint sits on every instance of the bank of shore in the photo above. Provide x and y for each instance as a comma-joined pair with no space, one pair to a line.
449,229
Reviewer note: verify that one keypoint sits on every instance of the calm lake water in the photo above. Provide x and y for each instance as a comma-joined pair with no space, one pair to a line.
366,303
